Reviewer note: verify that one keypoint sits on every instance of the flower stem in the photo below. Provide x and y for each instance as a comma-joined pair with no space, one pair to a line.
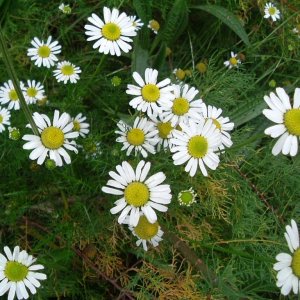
12,73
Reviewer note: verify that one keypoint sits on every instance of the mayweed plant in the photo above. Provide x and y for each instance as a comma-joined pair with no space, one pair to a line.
136,152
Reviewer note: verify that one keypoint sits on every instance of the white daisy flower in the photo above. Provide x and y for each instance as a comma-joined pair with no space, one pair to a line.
66,9
287,119
66,71
271,11
138,193
4,118
18,273
33,92
14,133
223,124
136,23
154,26
141,137
196,144
113,34
53,139
9,95
288,266
164,129
150,95
187,197
146,232
233,61
184,106
44,54
80,126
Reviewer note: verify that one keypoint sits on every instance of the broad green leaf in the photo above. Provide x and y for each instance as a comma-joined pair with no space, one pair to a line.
160,57
140,57
227,18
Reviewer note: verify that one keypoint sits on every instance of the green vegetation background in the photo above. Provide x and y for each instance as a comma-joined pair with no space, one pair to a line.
236,227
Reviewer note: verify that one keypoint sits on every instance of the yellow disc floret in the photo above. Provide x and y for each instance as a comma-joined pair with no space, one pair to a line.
67,70
180,106
154,25
31,92
296,263
1,119
164,129
292,121
135,136
13,96
136,194
44,51
76,125
145,230
15,271
111,31
233,61
52,137
150,92
198,146
180,74
272,10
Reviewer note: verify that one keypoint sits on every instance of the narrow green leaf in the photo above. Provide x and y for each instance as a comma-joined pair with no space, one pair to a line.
160,57
140,57
143,9
227,18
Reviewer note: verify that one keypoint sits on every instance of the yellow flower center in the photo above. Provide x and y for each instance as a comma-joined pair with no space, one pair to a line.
150,92
52,137
292,121
154,25
15,271
136,194
198,146
272,10
44,51
201,67
76,125
233,61
186,197
67,70
13,96
296,263
31,92
145,230
1,119
180,74
217,123
111,31
135,136
164,129
180,106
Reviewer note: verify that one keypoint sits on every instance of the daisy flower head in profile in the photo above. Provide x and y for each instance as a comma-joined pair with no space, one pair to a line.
112,35
9,95
65,8
233,61
185,105
80,126
137,23
288,265
33,91
4,118
196,145
150,96
287,119
138,193
146,232
154,26
222,123
44,54
18,273
55,137
271,11
141,137
66,71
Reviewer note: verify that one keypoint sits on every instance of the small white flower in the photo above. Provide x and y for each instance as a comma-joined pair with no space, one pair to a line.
288,266
150,96
137,23
66,71
138,193
53,139
233,61
187,197
113,34
9,95
142,137
184,107
18,273
66,9
14,133
44,53
80,125
196,144
4,118
287,119
146,232
154,26
271,11
33,92
223,124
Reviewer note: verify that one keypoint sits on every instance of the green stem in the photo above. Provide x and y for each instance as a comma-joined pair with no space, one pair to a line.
12,73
